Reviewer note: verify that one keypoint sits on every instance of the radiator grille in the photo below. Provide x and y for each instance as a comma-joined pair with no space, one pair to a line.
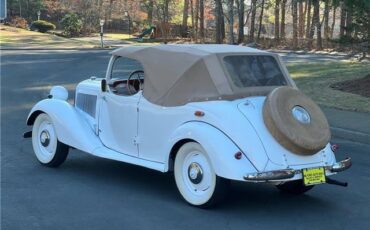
87,103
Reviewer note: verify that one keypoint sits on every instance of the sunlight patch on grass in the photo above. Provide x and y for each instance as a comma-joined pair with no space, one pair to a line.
19,38
314,79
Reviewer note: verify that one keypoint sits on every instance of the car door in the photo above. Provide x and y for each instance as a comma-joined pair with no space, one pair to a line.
118,115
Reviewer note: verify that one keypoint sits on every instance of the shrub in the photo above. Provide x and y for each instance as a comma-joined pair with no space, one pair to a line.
72,25
42,26
18,22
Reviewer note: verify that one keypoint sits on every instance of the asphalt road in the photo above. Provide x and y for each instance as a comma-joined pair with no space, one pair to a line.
92,193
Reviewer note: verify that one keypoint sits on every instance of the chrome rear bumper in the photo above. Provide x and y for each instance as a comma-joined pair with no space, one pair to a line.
290,173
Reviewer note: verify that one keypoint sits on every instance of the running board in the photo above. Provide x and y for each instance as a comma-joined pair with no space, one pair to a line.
107,153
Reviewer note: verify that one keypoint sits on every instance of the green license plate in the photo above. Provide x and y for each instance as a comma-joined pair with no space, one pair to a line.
313,176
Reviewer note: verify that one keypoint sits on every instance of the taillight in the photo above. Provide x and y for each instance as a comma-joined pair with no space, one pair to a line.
238,155
334,147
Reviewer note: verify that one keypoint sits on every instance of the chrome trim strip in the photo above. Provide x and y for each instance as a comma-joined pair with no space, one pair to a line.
341,165
289,173
271,175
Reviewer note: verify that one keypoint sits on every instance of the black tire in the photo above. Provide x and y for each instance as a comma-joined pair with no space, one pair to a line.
295,187
61,154
219,195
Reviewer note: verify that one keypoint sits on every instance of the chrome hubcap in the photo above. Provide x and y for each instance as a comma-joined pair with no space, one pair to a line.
45,138
301,115
195,173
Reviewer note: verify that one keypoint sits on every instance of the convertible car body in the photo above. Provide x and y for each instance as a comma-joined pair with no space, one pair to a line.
210,113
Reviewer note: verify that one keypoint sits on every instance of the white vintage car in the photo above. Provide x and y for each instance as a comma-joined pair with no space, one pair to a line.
209,113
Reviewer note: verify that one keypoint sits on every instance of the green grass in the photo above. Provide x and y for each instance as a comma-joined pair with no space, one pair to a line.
314,79
19,38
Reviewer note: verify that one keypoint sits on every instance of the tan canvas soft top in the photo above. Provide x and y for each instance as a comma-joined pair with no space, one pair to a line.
178,74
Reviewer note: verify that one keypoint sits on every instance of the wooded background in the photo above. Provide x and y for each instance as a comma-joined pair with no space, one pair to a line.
309,24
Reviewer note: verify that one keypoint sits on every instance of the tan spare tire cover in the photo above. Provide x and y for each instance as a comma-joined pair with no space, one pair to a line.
295,121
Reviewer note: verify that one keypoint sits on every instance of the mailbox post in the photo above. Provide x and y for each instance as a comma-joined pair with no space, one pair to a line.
101,32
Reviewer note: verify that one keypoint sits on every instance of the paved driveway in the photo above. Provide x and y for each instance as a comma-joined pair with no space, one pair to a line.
92,193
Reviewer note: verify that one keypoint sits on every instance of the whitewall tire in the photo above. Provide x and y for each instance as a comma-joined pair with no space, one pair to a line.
48,150
195,177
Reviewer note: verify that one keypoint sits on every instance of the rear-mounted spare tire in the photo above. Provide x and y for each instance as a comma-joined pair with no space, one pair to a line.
295,121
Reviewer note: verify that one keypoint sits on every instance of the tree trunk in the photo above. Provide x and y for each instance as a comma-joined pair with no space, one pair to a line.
230,14
301,19
282,24
261,17
277,16
185,15
349,28
192,18
317,24
201,19
343,15
253,20
240,4
218,16
150,12
326,20
295,19
196,19
308,27
333,22
312,28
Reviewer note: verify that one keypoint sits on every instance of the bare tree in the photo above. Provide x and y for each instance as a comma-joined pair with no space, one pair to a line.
219,20
230,14
315,23
150,11
326,20
253,20
308,26
349,19
333,21
260,19
196,19
277,16
343,15
301,20
185,15
201,19
282,24
240,6
295,19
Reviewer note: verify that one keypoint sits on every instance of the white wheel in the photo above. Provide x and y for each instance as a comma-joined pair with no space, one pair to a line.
195,177
48,150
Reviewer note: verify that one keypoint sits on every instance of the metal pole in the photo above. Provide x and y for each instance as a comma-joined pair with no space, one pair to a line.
101,37
129,27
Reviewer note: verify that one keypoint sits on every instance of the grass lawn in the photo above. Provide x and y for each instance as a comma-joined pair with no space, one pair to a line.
314,79
11,37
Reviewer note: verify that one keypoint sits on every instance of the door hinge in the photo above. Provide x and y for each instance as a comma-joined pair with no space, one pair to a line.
136,140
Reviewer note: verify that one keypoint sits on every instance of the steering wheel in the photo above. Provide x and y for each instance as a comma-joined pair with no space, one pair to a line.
139,78
277,79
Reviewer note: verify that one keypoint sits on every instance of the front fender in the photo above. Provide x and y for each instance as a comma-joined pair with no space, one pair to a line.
70,127
219,147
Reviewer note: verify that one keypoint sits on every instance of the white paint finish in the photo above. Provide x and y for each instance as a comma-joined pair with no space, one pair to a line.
59,92
226,117
71,128
135,131
118,122
220,149
252,110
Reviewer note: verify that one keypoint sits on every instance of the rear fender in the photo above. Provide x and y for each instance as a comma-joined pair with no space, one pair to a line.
70,127
219,147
